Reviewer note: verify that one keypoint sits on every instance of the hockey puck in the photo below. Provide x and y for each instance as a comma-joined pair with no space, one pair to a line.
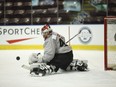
17,58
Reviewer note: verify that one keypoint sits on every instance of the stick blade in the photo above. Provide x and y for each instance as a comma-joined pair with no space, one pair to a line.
25,67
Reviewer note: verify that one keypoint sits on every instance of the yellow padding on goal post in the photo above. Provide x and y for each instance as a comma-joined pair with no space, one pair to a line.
40,47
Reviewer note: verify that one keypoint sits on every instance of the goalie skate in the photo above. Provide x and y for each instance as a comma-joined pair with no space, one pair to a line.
80,65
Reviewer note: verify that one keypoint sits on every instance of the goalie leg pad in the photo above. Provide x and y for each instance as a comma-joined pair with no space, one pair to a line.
79,65
83,67
41,69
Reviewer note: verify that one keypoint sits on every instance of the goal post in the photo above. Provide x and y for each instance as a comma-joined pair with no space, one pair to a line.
110,43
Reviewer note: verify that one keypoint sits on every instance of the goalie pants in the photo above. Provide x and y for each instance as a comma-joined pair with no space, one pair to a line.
62,60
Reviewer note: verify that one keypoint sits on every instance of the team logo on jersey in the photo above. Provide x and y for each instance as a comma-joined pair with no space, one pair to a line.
85,35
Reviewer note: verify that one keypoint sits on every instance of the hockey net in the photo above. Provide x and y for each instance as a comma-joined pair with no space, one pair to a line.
110,43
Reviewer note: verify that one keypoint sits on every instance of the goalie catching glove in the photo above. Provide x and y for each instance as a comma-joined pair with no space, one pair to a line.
35,58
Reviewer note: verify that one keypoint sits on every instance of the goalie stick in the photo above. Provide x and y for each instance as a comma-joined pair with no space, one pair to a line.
25,67
72,37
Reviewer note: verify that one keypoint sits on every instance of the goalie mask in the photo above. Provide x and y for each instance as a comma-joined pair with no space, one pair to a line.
46,31
45,28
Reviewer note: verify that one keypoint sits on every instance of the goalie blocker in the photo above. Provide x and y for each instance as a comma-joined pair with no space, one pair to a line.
42,69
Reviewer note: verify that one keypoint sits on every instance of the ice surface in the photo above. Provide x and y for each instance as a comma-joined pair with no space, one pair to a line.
12,75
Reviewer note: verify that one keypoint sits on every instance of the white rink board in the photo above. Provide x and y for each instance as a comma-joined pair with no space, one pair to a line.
97,32
34,32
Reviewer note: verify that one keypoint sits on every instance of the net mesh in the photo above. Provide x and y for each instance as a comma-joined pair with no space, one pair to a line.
111,43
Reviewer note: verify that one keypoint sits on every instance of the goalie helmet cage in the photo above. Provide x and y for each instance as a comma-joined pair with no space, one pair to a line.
110,43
